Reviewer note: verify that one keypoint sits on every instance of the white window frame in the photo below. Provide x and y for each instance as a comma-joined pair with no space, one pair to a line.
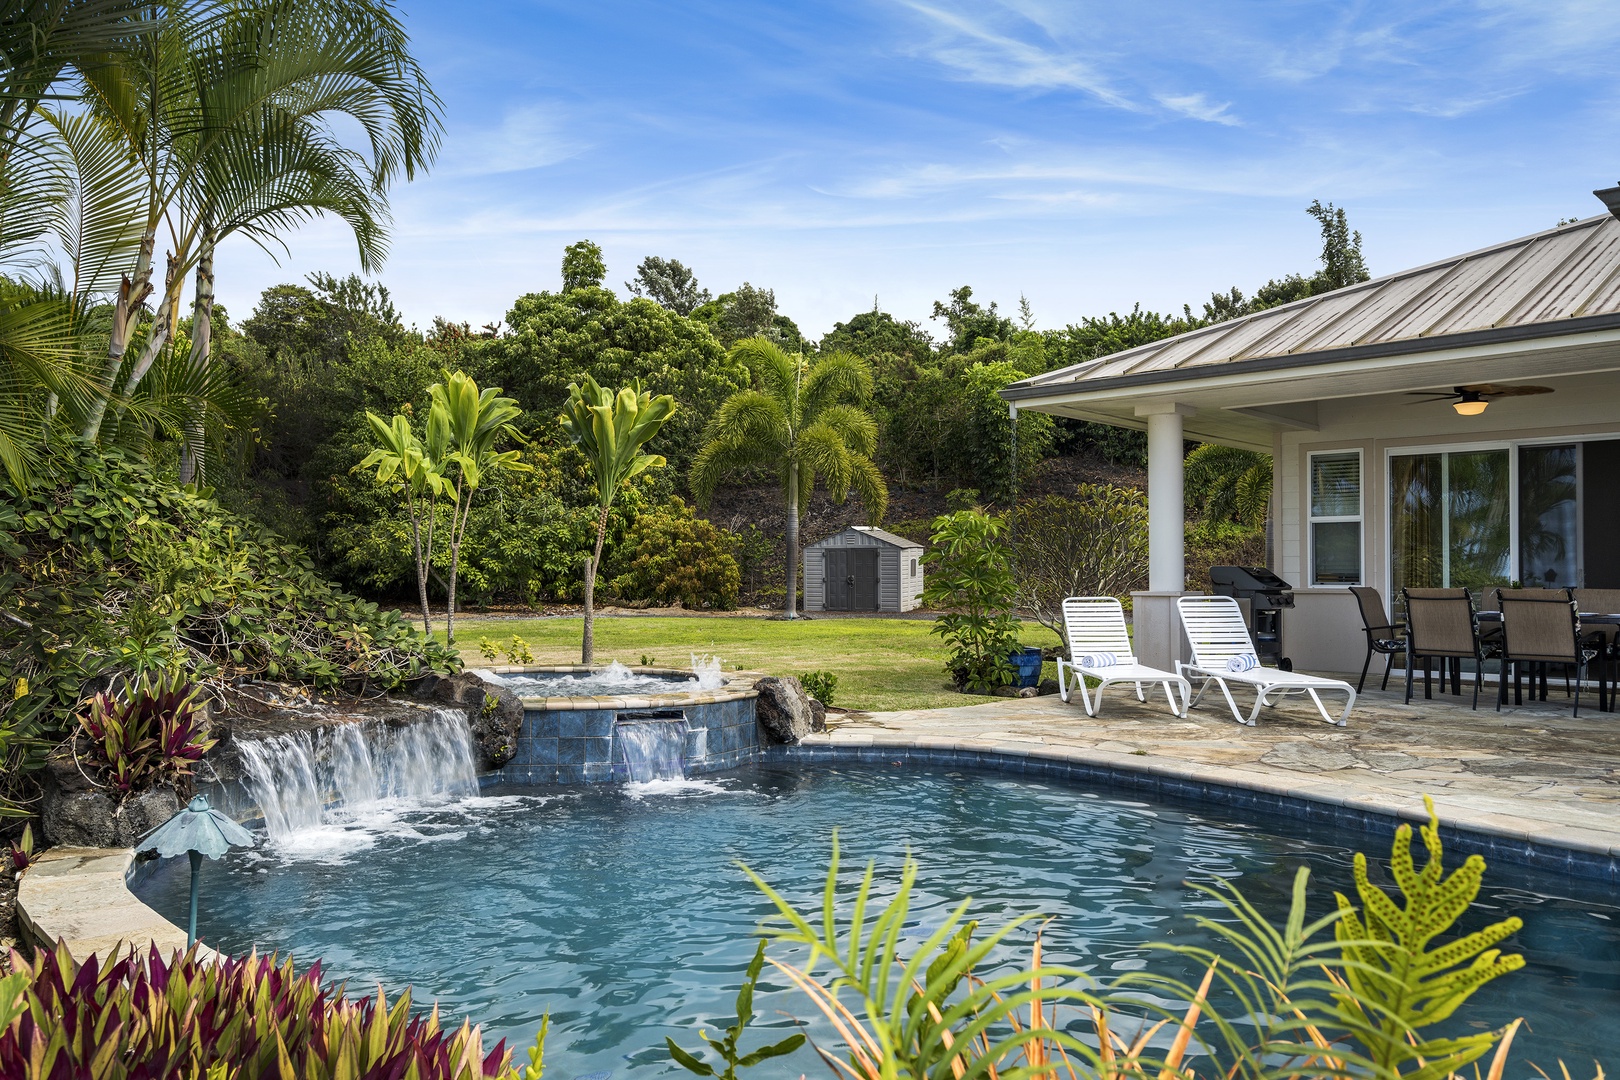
1312,520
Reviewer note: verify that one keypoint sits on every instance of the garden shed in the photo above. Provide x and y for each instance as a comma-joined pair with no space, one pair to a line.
861,568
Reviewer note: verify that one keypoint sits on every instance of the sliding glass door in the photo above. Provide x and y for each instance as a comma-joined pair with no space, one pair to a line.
1451,521
1549,516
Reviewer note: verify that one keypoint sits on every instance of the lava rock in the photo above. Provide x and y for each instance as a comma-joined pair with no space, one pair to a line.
818,715
1006,691
494,713
74,812
784,709
1048,686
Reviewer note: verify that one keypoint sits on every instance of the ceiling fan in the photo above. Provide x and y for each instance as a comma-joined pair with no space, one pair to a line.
1471,400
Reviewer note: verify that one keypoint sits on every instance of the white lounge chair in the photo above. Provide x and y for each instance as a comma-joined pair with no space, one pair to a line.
1100,646
1224,653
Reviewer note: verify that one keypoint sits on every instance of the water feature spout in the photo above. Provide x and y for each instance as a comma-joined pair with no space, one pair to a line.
306,779
708,672
653,746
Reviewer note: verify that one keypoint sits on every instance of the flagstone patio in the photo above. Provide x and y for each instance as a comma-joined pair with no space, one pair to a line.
1529,772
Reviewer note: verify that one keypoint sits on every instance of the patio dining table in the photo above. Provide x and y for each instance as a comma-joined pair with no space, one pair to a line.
1607,695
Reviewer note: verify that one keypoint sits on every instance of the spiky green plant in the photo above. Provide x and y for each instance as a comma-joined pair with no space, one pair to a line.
1397,980
726,1047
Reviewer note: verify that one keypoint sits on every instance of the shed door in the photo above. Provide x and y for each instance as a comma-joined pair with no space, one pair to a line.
863,579
834,579
851,579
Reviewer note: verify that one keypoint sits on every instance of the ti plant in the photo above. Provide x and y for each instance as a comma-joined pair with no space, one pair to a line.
151,734
730,1054
22,850
1395,983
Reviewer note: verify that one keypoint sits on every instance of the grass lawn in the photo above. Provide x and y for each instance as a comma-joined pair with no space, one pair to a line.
881,664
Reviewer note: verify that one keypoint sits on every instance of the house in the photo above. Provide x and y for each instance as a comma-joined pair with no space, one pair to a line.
1454,424
861,568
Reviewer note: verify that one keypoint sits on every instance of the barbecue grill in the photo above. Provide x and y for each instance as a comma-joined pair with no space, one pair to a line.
1263,595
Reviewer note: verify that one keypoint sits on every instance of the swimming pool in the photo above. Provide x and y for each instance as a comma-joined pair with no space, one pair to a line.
620,910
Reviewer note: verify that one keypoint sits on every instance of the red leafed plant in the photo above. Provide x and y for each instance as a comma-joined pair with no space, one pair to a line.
139,1018
22,850
154,732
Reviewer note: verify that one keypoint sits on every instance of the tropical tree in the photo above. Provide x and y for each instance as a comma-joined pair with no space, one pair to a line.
455,459
464,425
610,429
405,464
224,117
1227,483
805,421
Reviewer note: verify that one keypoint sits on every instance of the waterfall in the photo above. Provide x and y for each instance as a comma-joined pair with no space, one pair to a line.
306,779
654,749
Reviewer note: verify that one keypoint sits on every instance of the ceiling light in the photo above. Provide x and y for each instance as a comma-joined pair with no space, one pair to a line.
1468,407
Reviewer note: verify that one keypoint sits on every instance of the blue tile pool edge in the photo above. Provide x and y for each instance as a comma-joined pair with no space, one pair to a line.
1586,865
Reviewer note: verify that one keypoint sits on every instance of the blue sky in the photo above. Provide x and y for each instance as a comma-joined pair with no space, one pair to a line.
1087,155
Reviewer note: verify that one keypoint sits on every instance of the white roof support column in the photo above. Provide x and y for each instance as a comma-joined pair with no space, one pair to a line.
1167,513
1156,629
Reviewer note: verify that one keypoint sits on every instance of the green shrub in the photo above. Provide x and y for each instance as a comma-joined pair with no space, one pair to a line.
107,572
517,651
670,555
152,733
820,685
198,1019
488,649
969,577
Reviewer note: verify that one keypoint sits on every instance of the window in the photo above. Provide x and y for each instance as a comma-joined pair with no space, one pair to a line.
1336,518
913,567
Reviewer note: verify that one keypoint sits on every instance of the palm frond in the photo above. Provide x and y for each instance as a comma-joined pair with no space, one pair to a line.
837,378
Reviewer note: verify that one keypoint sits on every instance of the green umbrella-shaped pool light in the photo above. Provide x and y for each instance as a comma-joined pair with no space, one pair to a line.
197,830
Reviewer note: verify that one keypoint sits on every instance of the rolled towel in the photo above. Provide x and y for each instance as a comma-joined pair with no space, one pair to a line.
1097,660
1243,662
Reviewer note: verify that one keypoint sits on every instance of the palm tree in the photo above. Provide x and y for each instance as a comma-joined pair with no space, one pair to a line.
610,429
464,424
803,422
411,468
225,115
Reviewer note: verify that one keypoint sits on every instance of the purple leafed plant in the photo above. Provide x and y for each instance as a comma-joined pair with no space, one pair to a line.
139,1018
154,732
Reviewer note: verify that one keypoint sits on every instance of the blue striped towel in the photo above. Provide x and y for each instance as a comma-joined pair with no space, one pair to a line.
1097,660
1243,662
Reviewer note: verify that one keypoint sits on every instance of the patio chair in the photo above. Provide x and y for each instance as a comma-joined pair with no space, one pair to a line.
1441,625
1541,626
1223,653
1384,635
1605,637
1100,647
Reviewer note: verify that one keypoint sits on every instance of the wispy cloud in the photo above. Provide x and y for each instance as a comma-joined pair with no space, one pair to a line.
530,136
1199,107
983,55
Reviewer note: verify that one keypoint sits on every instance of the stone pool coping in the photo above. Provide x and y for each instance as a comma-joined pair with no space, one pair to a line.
82,896
1588,854
738,685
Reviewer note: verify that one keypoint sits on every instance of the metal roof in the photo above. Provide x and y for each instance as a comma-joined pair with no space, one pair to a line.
1563,280
873,531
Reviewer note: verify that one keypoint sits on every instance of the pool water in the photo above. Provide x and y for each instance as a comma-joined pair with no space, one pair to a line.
615,679
621,911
